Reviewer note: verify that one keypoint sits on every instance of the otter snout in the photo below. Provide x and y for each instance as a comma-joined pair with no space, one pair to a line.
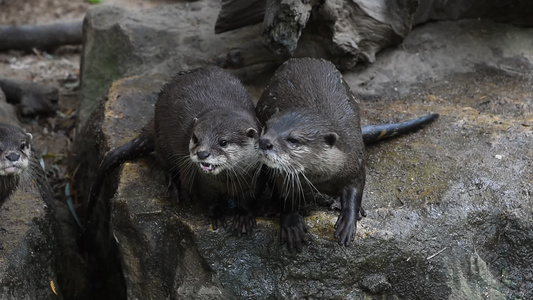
203,154
265,144
13,156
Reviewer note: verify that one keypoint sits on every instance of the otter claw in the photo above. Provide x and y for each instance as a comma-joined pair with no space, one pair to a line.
361,214
345,228
216,223
243,222
293,232
217,216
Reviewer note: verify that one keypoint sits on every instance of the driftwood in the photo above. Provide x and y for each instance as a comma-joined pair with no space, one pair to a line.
347,32
30,98
344,32
283,24
239,13
41,36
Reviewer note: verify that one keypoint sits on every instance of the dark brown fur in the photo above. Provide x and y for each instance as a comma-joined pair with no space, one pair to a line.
204,117
208,117
15,159
312,141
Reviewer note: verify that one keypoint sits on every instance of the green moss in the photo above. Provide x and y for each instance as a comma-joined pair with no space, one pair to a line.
322,224
407,174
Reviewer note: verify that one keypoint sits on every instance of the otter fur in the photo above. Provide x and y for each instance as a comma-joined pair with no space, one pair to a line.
312,141
205,133
15,159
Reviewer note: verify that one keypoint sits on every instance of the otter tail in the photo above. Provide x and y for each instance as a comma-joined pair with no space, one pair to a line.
375,133
138,147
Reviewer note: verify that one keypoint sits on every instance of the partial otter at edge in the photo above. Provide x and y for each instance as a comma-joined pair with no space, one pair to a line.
312,141
15,159
205,132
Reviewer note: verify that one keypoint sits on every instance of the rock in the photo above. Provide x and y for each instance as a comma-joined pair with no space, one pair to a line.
446,218
120,43
448,207
171,259
515,12
30,249
348,32
166,39
123,120
436,50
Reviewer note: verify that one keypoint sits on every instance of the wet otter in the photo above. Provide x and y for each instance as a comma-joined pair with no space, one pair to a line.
205,132
15,159
312,141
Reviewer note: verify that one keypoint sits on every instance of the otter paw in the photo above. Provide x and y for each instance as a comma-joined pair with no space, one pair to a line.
345,228
361,214
243,221
293,232
217,216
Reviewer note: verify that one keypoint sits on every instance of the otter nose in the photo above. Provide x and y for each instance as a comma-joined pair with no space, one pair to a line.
265,144
13,156
202,154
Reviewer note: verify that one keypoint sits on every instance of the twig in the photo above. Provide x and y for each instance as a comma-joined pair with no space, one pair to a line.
430,257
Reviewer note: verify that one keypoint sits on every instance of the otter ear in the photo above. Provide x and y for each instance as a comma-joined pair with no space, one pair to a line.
29,136
195,120
331,139
251,132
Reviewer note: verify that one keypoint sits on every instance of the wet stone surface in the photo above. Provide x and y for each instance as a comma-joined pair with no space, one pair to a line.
448,206
448,212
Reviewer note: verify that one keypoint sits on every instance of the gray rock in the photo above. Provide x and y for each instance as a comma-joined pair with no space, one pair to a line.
120,43
166,39
348,32
29,247
435,50
515,12
448,207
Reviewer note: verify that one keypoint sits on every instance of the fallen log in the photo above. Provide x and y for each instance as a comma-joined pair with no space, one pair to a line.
239,13
40,36
30,98
348,32
344,32
283,24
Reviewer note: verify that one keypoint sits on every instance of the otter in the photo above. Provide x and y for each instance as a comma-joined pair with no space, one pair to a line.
205,132
312,141
15,159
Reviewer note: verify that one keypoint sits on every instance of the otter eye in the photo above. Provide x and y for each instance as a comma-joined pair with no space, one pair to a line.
293,141
194,139
23,146
223,143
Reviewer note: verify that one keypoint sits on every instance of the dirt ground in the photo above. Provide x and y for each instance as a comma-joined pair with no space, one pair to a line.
59,68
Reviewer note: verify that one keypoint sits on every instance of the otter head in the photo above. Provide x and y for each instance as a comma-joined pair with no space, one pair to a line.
301,142
15,150
223,141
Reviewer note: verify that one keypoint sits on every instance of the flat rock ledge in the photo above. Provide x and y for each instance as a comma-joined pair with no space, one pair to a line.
448,210
449,207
